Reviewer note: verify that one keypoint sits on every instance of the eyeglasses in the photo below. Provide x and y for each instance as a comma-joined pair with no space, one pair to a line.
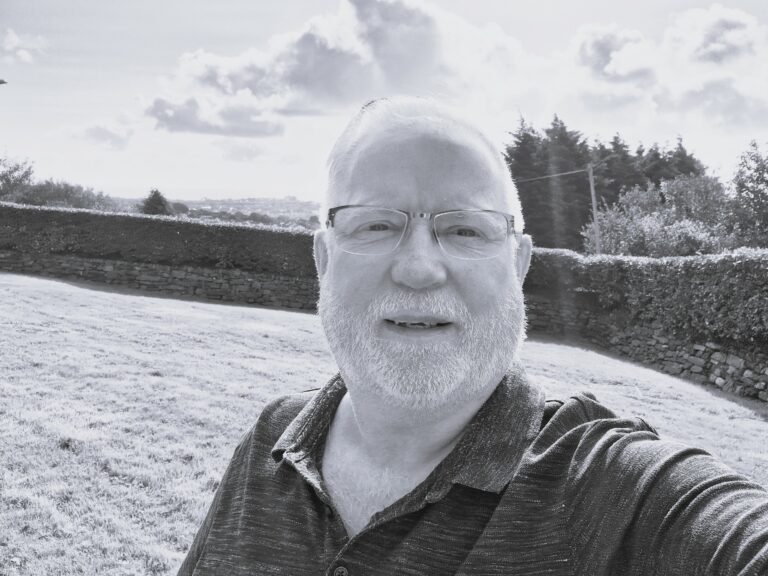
464,234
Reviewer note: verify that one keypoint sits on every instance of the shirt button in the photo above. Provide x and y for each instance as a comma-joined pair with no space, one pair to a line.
341,571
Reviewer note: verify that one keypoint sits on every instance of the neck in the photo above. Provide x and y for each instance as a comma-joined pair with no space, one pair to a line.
395,435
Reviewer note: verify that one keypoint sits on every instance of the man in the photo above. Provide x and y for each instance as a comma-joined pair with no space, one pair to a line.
430,452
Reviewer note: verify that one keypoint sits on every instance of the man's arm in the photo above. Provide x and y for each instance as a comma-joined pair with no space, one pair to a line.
658,508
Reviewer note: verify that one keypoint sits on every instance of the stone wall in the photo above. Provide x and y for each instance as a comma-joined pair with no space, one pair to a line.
234,263
231,285
570,298
741,371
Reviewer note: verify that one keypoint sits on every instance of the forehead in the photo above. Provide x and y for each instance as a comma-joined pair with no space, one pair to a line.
423,168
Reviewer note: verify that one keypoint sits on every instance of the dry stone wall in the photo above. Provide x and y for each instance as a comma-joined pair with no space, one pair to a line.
229,285
675,315
159,254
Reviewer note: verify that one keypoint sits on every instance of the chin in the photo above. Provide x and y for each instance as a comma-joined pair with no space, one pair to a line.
428,375
424,377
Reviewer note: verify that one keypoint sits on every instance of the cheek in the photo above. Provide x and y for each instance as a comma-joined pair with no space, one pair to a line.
485,287
355,280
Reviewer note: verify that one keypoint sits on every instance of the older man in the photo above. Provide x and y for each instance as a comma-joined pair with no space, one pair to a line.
430,452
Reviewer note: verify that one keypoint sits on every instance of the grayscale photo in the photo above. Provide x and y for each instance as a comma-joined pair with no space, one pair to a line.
383,287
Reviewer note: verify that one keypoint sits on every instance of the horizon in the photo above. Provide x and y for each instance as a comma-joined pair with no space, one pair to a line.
245,100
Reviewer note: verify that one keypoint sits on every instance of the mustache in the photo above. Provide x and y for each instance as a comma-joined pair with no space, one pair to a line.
430,304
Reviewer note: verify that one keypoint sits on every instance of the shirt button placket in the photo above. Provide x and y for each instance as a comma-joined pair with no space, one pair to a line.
340,571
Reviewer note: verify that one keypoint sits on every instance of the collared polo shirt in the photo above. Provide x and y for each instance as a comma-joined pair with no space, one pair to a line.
532,487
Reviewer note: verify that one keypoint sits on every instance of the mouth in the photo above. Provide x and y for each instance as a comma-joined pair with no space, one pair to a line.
417,324
418,328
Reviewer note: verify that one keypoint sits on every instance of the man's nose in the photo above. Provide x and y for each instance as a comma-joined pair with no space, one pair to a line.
419,263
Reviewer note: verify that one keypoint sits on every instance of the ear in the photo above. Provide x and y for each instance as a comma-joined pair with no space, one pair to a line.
320,252
523,256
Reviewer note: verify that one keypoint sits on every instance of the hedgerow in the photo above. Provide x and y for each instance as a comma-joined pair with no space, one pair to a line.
156,239
720,297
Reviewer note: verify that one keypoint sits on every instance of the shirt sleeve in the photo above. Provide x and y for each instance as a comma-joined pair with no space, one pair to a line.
644,506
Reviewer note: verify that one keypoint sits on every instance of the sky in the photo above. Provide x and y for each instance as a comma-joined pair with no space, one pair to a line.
242,99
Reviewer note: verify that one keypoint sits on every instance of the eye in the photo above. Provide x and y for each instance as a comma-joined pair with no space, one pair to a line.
377,227
464,232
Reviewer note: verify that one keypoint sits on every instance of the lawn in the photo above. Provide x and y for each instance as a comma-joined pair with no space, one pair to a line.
119,412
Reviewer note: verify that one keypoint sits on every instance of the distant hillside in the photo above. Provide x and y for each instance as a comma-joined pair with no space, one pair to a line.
286,212
289,206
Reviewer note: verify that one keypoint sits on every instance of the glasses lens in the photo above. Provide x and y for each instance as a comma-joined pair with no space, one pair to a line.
365,230
471,235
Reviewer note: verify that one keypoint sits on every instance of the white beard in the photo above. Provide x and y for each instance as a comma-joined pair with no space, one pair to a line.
423,376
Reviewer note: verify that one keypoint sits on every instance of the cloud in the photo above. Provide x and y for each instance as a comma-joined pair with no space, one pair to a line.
707,64
110,137
704,64
21,48
722,102
367,49
616,55
712,63
716,34
228,120
405,43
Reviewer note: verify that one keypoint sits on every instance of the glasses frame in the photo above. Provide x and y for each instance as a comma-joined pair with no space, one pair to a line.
424,216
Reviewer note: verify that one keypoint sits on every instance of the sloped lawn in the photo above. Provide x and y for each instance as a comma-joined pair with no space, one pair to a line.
119,412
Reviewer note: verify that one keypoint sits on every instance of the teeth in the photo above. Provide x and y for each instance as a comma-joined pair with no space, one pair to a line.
421,325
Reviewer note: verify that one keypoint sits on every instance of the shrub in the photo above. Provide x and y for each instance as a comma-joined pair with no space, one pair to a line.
62,194
751,190
179,208
14,176
683,217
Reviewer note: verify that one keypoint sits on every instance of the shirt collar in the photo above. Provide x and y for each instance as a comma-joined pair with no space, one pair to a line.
311,424
487,455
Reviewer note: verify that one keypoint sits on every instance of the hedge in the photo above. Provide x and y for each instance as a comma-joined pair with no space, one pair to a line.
721,297
155,239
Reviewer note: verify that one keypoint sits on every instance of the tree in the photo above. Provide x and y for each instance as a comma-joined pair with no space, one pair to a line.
557,208
658,165
569,197
683,162
699,198
525,158
751,190
14,177
155,203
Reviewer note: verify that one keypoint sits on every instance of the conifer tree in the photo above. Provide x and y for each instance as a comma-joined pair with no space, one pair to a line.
155,203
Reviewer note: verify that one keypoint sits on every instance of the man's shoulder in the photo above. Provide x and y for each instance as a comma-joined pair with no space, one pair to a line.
581,415
581,438
275,417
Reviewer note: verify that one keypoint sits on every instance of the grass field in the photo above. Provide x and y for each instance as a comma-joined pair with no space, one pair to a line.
119,412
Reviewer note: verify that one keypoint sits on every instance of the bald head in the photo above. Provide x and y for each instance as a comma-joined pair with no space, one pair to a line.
402,119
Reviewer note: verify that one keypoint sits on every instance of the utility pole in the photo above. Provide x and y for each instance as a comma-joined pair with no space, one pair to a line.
598,247
588,170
